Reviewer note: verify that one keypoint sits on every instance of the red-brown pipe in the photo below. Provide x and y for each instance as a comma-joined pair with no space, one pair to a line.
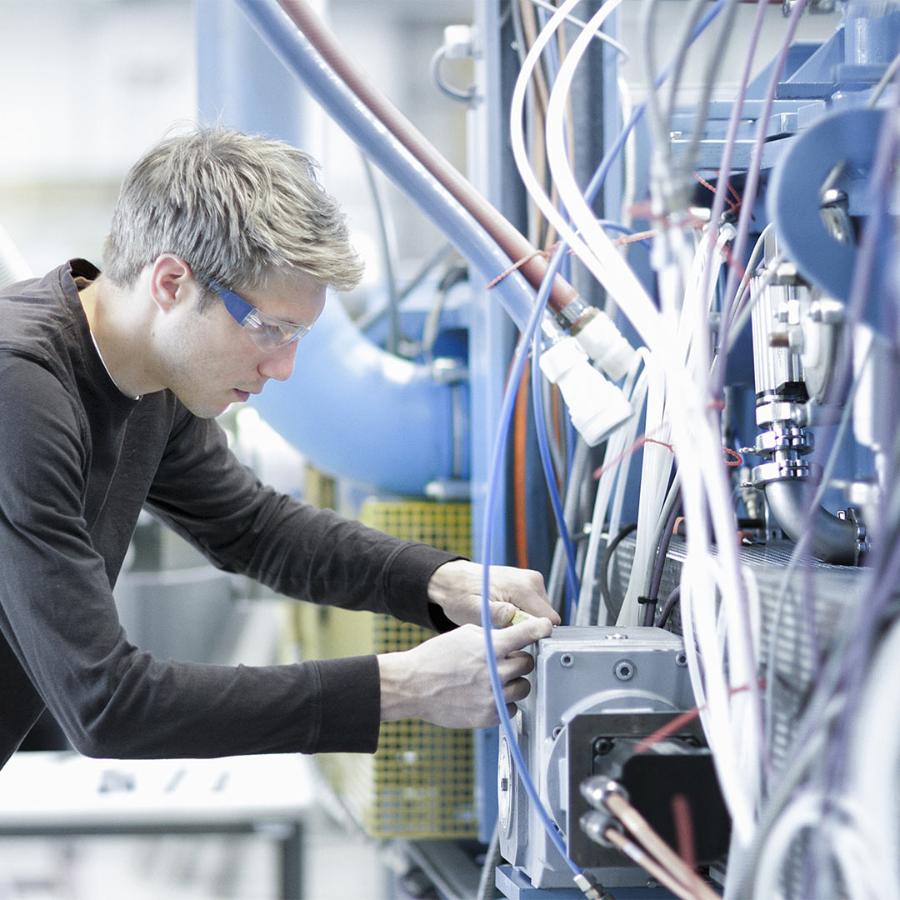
511,241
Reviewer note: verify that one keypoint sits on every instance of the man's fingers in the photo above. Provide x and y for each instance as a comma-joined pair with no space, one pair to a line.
531,595
517,689
502,614
515,665
516,637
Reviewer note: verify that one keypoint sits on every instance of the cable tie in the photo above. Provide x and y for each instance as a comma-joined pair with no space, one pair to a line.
647,600
519,263
732,205
634,238
736,458
640,442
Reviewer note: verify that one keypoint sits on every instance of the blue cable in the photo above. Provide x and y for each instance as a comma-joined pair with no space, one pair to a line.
537,403
498,454
521,355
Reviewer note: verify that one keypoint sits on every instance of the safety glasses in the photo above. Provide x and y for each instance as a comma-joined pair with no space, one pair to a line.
267,332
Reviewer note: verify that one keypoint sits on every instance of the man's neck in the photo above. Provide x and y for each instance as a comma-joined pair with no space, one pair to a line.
121,350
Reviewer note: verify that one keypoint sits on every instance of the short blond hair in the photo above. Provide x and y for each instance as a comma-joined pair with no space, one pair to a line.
235,207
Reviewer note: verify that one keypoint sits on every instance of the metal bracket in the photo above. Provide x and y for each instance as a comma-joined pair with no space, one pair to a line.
848,137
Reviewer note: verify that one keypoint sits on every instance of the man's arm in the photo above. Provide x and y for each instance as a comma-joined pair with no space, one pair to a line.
206,495
58,617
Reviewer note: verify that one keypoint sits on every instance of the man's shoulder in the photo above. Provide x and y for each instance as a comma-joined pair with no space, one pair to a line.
39,321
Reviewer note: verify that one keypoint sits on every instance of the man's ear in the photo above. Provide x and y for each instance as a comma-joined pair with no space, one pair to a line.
169,277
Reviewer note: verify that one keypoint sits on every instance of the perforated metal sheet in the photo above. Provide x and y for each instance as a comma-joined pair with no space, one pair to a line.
420,783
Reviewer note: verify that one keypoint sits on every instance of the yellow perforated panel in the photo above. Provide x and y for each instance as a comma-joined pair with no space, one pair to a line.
420,782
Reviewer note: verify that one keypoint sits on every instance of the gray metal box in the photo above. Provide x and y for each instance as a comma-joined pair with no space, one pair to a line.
580,671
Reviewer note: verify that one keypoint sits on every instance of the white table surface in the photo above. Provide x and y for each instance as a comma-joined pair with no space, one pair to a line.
62,789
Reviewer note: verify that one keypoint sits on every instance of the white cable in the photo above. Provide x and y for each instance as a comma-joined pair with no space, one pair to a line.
704,488
629,181
804,813
697,445
875,760
599,35
609,269
656,466
615,472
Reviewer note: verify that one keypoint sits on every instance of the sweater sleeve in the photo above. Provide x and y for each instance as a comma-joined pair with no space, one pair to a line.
58,616
204,493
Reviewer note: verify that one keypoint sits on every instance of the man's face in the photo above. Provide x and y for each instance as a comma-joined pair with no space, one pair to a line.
211,361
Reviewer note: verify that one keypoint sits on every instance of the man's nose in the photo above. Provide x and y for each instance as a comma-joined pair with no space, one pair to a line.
280,363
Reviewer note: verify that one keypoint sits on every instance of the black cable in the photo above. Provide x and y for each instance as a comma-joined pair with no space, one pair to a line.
606,561
659,561
667,607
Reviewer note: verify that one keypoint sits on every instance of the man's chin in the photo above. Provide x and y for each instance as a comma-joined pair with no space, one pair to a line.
207,410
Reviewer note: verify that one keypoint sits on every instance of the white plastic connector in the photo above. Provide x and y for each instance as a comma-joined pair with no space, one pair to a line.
596,407
604,344
459,42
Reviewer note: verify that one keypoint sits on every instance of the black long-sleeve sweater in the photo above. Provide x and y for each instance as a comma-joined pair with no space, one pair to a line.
78,461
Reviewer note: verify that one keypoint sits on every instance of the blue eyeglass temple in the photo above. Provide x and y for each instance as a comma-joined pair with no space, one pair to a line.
236,305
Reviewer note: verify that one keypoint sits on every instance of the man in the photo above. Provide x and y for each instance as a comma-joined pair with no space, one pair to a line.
219,254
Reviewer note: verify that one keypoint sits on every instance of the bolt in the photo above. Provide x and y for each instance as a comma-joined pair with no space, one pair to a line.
681,658
566,660
602,746
624,670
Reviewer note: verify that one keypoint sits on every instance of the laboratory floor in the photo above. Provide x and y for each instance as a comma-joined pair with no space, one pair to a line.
340,865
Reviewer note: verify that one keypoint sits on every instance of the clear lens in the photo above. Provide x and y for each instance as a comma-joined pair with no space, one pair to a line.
271,333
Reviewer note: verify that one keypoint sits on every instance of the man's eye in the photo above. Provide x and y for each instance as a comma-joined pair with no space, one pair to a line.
271,332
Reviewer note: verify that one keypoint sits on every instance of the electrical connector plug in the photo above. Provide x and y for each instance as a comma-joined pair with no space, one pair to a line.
599,337
596,407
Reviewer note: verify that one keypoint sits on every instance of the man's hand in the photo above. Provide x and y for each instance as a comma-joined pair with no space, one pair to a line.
456,588
445,680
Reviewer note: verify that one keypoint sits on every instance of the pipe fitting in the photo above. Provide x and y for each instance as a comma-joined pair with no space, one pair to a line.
784,438
832,539
596,407
599,337
599,788
595,825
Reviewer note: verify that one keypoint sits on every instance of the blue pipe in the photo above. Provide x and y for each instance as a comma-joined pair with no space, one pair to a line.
416,429
298,54
360,413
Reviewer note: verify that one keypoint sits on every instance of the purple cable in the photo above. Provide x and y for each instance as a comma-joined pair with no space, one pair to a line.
730,138
750,188
872,610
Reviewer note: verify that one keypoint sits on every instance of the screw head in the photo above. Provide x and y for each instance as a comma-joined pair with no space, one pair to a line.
624,670
681,658
567,660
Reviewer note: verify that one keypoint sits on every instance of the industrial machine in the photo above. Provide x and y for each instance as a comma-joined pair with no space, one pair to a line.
708,283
